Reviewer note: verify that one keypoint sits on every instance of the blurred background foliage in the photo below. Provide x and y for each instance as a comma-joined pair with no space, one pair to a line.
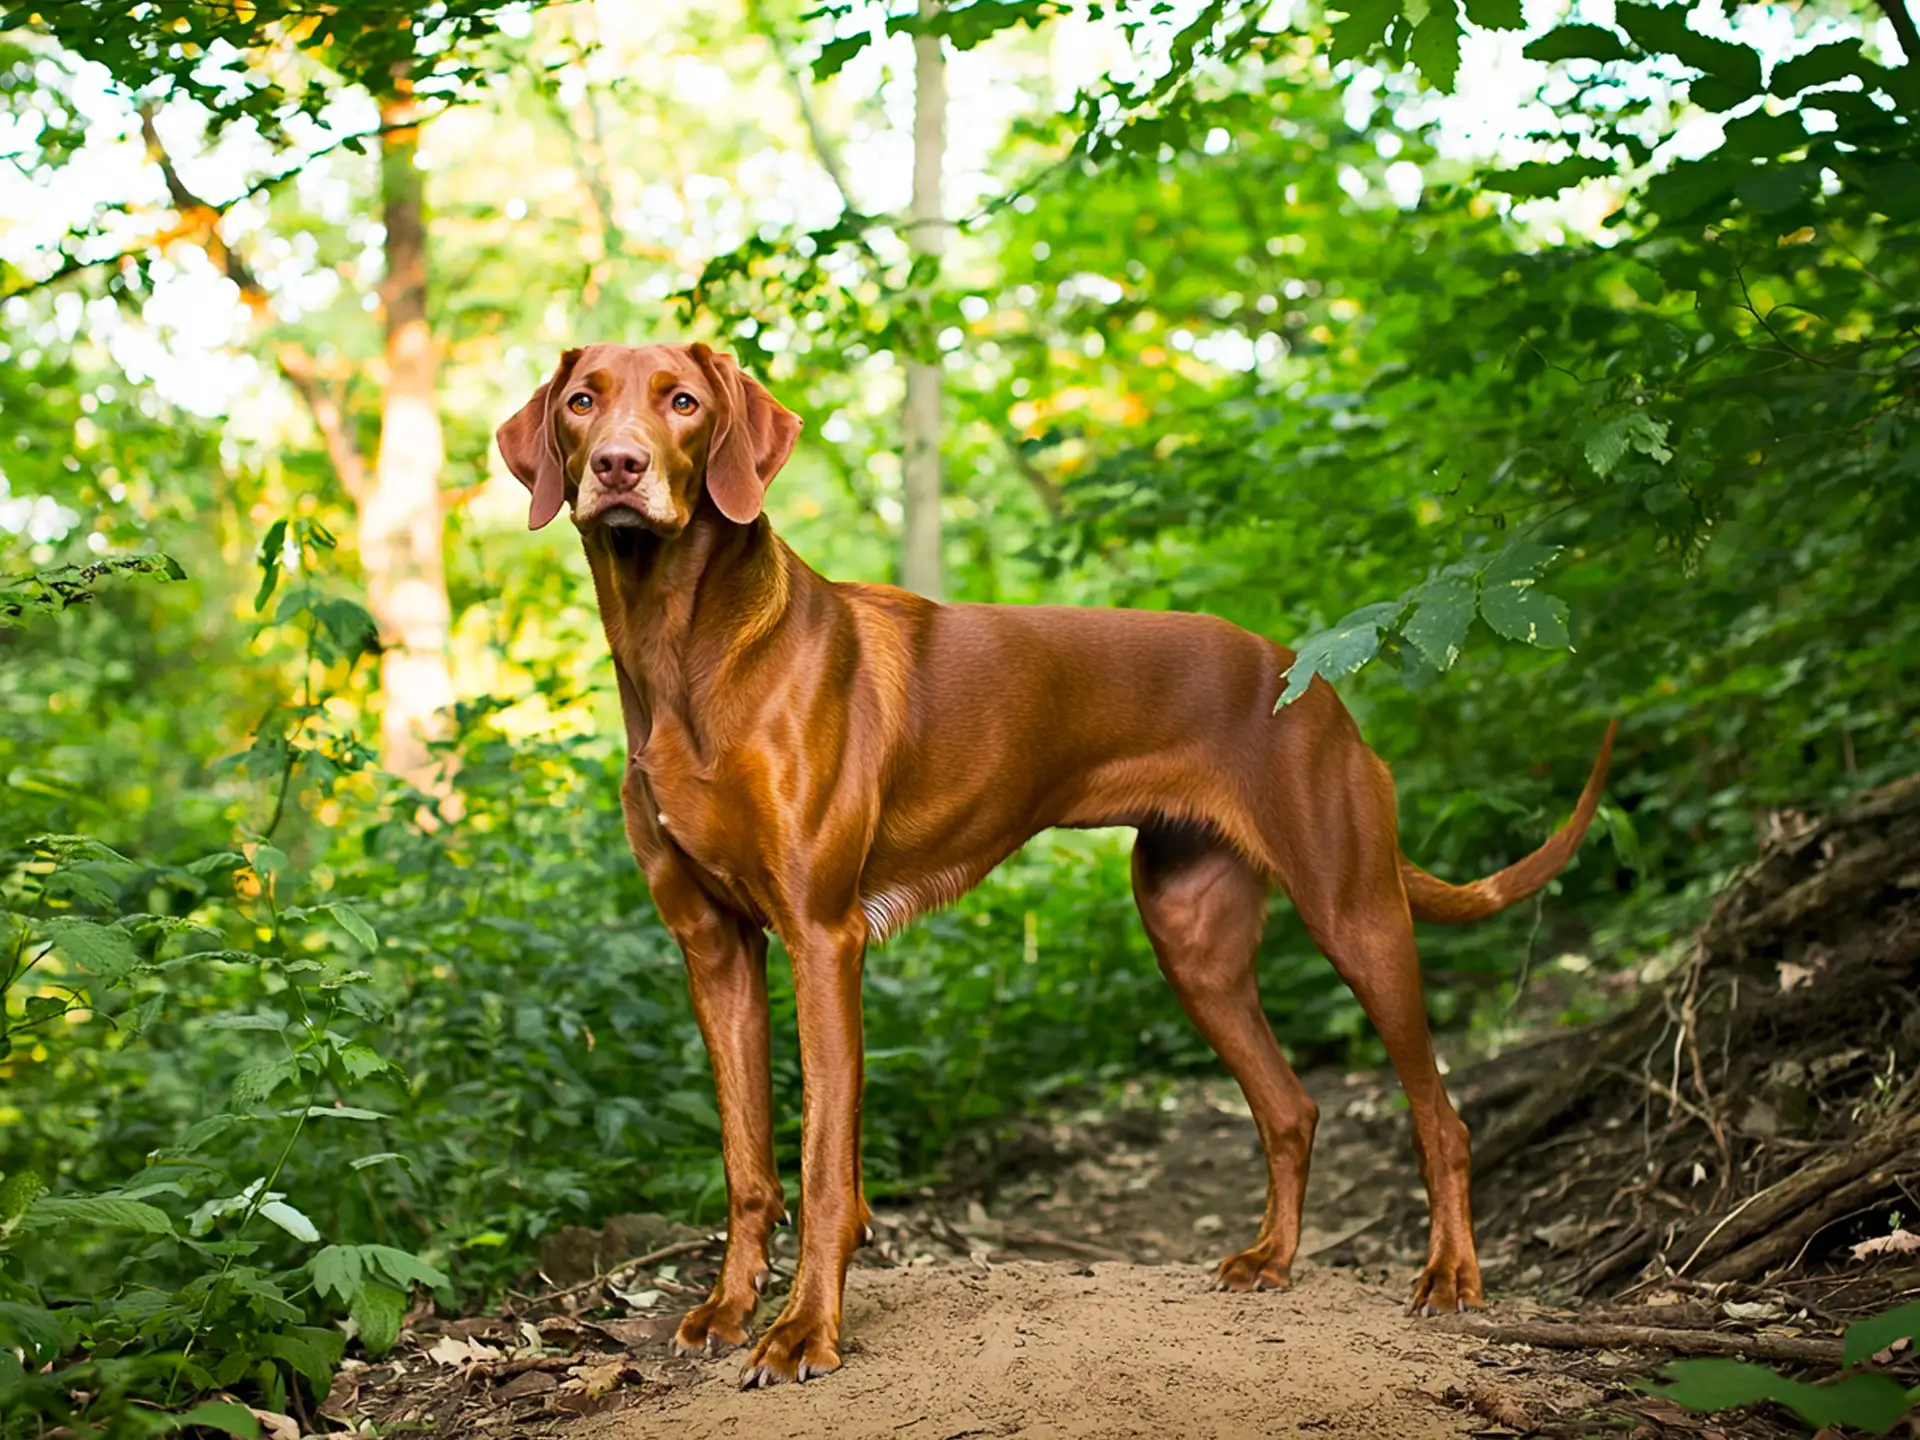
1523,368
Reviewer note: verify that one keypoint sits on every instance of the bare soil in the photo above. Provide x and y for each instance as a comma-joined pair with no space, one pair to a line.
1039,1349
1725,1166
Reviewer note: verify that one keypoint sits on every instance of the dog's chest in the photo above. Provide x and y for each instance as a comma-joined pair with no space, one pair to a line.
699,808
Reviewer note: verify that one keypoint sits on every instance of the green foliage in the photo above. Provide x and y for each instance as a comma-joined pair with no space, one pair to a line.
285,1043
46,592
1863,1400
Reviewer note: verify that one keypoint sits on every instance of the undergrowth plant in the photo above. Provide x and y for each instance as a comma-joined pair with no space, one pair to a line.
1860,1399
141,1270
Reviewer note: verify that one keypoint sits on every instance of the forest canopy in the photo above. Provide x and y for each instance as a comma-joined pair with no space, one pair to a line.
1520,368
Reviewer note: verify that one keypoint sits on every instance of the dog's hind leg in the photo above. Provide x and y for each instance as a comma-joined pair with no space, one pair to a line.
1341,867
1204,908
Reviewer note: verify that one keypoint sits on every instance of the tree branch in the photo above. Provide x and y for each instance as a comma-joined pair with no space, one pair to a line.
185,226
1044,488
323,401
824,148
1903,29
329,417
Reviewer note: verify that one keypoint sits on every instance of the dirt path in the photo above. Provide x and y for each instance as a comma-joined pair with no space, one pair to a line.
1043,1349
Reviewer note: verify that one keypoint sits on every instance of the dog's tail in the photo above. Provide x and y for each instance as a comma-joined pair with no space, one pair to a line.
1432,898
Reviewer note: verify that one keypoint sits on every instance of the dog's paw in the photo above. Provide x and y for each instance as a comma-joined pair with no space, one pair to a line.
800,1345
1255,1269
712,1328
1448,1283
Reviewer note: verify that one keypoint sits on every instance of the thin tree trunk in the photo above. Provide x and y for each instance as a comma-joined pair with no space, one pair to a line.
401,529
920,568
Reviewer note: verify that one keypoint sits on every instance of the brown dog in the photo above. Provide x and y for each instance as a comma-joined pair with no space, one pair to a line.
832,760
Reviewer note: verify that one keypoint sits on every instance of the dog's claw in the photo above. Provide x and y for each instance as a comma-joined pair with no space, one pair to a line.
1254,1269
705,1331
796,1348
1445,1286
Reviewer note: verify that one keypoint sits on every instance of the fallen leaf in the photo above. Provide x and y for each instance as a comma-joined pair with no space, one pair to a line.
599,1379
277,1426
530,1382
1900,1242
451,1350
630,1333
1793,976
338,1405
1752,1312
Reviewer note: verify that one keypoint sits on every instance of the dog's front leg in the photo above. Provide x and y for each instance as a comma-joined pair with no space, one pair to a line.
827,961
726,958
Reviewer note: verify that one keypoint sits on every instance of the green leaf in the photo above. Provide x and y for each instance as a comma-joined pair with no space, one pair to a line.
270,861
344,1112
1435,46
1613,436
272,544
103,950
1513,605
835,54
1692,186
378,1310
290,1220
1776,187
1870,1402
19,1191
360,1062
349,628
368,1161
403,1269
34,1330
225,1415
308,1350
251,1086
1364,27
1822,65
336,1271
1439,625
1339,650
351,922
1761,135
1867,1338
1539,178
105,1210
45,1007
1496,14
1663,29
1576,42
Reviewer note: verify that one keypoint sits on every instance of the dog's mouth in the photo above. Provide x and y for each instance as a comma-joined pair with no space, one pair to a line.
621,517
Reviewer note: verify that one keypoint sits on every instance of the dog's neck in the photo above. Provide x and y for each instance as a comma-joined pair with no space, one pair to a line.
678,611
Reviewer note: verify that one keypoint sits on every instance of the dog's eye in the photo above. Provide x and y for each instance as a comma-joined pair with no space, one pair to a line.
685,404
580,404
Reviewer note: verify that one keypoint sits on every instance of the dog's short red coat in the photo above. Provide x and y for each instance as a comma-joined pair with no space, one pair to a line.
830,760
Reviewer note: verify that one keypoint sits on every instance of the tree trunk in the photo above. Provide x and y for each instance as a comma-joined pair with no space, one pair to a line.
401,529
920,568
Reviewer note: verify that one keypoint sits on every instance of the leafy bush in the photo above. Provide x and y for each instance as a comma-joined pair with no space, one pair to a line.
1861,1399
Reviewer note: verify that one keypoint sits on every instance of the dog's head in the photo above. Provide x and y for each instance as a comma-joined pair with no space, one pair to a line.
632,435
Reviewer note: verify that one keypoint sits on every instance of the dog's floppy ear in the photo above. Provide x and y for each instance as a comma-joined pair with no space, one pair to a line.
532,453
753,435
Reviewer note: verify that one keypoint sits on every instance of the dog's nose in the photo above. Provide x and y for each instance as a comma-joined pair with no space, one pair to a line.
619,467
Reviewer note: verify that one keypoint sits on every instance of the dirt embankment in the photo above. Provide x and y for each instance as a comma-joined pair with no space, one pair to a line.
1725,1167
1106,1351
